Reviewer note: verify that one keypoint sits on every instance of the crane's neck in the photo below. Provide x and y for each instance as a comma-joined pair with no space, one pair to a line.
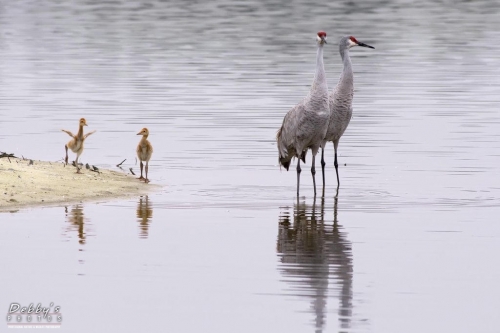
80,132
319,83
346,82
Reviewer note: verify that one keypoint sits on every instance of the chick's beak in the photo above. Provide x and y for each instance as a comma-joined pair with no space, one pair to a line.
365,45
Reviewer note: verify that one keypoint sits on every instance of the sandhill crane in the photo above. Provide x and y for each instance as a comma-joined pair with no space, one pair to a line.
76,144
305,125
340,100
144,151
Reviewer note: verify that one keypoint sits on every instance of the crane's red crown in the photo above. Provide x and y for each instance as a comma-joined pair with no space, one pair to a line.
321,34
353,39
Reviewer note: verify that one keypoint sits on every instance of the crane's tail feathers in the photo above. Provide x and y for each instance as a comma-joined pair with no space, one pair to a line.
284,156
303,156
278,134
285,162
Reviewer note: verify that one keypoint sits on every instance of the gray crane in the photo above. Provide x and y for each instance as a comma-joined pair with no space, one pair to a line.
305,125
340,100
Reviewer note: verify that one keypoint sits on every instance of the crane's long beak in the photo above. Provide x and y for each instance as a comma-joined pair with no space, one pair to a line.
365,45
323,39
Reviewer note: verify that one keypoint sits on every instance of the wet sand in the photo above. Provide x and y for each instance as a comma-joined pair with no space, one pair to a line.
45,183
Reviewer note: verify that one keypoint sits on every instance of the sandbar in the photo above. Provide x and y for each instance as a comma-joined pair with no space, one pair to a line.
42,183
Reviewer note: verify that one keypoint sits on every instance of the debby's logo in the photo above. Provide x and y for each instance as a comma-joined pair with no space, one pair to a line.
34,316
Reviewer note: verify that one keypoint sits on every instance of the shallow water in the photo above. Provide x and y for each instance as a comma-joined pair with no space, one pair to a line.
409,244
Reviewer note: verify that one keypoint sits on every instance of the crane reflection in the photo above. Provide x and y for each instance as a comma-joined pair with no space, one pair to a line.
144,215
316,260
76,218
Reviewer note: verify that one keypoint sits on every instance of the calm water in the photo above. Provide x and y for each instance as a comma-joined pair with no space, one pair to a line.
409,245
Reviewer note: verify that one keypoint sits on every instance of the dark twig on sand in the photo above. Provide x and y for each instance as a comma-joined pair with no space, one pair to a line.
119,164
94,168
131,171
7,155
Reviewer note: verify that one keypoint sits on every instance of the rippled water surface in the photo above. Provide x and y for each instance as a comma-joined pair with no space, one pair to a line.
411,242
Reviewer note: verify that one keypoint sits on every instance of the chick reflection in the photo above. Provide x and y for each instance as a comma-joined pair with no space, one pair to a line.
312,252
76,218
144,215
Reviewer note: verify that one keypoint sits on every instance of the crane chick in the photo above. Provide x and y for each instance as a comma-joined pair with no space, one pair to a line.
144,151
76,143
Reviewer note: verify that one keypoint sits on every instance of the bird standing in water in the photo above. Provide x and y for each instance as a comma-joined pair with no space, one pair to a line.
144,151
340,101
305,125
76,143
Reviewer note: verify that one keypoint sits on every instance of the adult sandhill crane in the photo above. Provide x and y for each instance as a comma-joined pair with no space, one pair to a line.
144,151
340,100
305,125
76,143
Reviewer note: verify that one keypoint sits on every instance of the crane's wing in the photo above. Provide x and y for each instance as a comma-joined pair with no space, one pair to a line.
69,133
86,135
287,134
340,114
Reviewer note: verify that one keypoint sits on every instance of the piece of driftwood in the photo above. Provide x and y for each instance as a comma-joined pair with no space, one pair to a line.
119,164
7,155
131,171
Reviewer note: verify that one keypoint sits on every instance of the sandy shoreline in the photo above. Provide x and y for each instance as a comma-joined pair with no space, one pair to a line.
48,183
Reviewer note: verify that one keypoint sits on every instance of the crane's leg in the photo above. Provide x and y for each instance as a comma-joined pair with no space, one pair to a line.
298,176
313,172
146,180
66,159
76,163
323,167
335,145
141,177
